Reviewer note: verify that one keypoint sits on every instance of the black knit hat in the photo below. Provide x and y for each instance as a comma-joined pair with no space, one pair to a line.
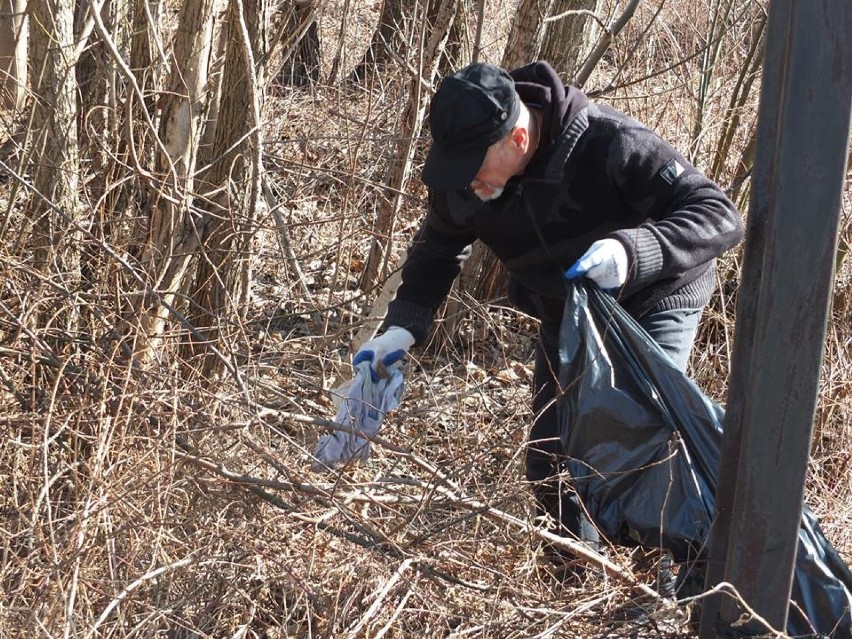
472,109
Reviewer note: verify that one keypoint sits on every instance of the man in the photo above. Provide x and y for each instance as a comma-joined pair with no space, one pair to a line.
551,181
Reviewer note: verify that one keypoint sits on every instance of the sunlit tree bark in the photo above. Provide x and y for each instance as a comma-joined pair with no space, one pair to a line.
527,32
55,209
389,39
458,51
566,38
173,234
223,278
145,42
13,53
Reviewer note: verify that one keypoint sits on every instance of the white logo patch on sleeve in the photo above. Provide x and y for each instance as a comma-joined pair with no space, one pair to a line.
672,171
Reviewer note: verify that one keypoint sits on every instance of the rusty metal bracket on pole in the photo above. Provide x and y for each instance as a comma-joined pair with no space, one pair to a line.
791,242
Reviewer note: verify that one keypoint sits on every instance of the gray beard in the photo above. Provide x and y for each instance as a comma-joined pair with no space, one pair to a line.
495,193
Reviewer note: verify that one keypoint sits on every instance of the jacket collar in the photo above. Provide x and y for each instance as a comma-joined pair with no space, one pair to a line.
565,118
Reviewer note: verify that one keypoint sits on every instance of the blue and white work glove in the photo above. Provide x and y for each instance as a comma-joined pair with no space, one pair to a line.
384,350
605,263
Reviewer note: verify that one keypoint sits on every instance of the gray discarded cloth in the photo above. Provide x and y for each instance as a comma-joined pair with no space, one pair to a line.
362,404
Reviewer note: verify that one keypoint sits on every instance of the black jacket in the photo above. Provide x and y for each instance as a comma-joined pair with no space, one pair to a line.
599,174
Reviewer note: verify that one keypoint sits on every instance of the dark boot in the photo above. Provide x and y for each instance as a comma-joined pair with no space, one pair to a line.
658,564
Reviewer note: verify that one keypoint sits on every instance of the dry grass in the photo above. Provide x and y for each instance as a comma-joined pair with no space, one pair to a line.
168,505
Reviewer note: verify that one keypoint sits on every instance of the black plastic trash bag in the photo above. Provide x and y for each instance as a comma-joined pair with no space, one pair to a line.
644,445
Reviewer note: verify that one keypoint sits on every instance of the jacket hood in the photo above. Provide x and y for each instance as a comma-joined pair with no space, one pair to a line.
538,85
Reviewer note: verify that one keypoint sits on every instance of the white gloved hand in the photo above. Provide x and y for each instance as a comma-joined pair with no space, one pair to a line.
384,350
362,404
605,263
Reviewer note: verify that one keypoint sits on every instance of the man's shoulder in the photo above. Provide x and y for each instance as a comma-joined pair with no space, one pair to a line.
595,127
606,117
625,134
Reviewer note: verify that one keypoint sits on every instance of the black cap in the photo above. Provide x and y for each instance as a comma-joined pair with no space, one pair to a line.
472,109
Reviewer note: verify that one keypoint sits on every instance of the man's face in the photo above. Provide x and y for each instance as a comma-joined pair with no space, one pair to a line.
499,166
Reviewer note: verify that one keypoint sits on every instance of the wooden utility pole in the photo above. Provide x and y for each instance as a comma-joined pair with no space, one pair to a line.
791,243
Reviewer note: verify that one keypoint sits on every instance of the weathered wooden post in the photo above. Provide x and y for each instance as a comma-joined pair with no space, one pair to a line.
791,242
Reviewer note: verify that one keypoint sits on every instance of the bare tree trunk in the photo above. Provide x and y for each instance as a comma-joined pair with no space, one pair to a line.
223,278
566,38
145,46
388,39
100,121
217,67
99,113
147,66
527,32
301,64
340,52
173,237
91,88
458,51
55,209
444,12
13,54
148,63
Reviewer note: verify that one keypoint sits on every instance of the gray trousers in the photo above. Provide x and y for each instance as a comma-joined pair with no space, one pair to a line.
673,330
